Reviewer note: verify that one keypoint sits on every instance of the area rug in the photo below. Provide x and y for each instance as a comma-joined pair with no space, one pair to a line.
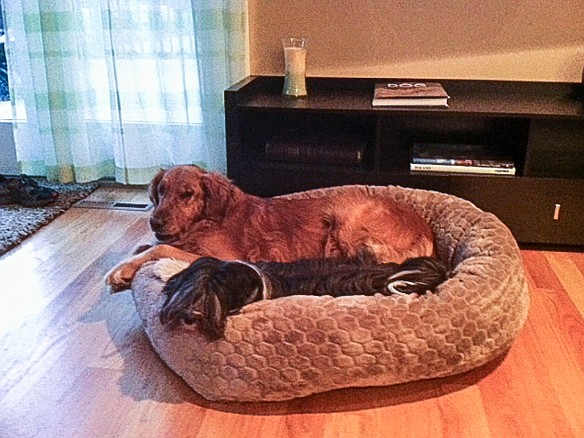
17,222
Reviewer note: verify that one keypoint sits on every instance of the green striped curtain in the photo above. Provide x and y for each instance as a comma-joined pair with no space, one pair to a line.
121,88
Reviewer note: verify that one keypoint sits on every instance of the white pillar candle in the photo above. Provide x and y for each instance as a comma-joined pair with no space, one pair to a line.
295,67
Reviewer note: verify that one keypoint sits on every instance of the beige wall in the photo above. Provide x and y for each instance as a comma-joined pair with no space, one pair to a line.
480,39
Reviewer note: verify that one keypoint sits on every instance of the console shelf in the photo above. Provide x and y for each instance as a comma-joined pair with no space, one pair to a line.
540,124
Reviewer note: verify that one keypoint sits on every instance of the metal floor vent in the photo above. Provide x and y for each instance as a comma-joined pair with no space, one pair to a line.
114,205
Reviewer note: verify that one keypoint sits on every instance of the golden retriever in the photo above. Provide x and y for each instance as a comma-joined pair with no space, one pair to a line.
198,213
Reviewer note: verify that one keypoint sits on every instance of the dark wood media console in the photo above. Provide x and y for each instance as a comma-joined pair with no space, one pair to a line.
540,124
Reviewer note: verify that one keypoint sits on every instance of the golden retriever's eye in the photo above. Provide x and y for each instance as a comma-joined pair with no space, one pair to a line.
187,195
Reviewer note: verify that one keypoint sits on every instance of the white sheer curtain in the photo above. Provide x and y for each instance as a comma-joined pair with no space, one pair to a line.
120,88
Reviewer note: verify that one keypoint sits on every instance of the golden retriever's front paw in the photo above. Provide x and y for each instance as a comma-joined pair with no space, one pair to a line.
120,277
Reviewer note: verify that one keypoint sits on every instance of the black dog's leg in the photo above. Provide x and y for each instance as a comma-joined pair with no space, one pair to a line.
355,276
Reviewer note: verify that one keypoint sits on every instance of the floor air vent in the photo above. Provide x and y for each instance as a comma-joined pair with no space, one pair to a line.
114,205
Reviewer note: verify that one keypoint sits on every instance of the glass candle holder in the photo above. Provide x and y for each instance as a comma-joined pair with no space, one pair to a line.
295,67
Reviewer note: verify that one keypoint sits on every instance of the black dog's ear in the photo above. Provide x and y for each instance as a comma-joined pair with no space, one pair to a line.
242,283
153,188
214,315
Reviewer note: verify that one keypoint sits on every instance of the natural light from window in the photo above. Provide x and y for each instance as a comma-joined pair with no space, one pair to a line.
156,79
151,81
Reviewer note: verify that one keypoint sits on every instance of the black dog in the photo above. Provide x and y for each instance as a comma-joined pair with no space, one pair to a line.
210,289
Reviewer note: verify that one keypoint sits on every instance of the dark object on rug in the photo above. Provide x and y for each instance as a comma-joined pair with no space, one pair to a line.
18,222
25,191
5,192
211,289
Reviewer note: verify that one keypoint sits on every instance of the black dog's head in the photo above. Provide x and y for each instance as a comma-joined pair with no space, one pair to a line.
207,291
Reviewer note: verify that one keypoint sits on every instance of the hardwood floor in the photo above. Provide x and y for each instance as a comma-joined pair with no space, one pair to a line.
74,361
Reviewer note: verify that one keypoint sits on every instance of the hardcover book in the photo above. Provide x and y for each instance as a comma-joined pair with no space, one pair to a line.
316,149
410,94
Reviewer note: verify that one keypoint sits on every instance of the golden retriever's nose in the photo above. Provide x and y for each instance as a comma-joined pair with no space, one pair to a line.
156,224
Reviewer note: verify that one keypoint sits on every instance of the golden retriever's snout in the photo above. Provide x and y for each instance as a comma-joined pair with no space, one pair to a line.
156,224
160,232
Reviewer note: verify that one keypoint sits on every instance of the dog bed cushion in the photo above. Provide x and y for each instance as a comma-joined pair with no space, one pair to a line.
300,345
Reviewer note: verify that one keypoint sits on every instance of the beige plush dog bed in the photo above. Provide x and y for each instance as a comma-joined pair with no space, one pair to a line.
296,346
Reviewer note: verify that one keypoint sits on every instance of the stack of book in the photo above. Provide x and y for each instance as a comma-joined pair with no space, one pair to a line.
460,158
332,149
410,94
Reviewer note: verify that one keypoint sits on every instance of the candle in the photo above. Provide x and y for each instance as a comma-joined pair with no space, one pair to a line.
295,67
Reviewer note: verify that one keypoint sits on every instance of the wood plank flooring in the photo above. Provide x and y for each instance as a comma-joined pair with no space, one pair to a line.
74,361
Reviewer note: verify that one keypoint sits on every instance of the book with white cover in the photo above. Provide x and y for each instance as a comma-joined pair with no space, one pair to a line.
418,94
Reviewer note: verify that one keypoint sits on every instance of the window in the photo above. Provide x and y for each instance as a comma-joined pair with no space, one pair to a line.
5,111
154,71
152,78
4,94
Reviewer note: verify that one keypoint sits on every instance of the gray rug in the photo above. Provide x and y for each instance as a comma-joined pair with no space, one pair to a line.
17,222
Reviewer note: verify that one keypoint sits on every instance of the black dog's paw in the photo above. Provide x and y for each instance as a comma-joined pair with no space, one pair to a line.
417,275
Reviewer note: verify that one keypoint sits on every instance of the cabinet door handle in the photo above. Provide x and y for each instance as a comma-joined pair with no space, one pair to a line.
557,212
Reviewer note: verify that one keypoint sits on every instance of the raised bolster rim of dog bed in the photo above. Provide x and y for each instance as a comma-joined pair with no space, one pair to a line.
297,346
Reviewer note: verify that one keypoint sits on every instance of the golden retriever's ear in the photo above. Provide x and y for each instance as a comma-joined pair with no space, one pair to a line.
217,192
153,188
